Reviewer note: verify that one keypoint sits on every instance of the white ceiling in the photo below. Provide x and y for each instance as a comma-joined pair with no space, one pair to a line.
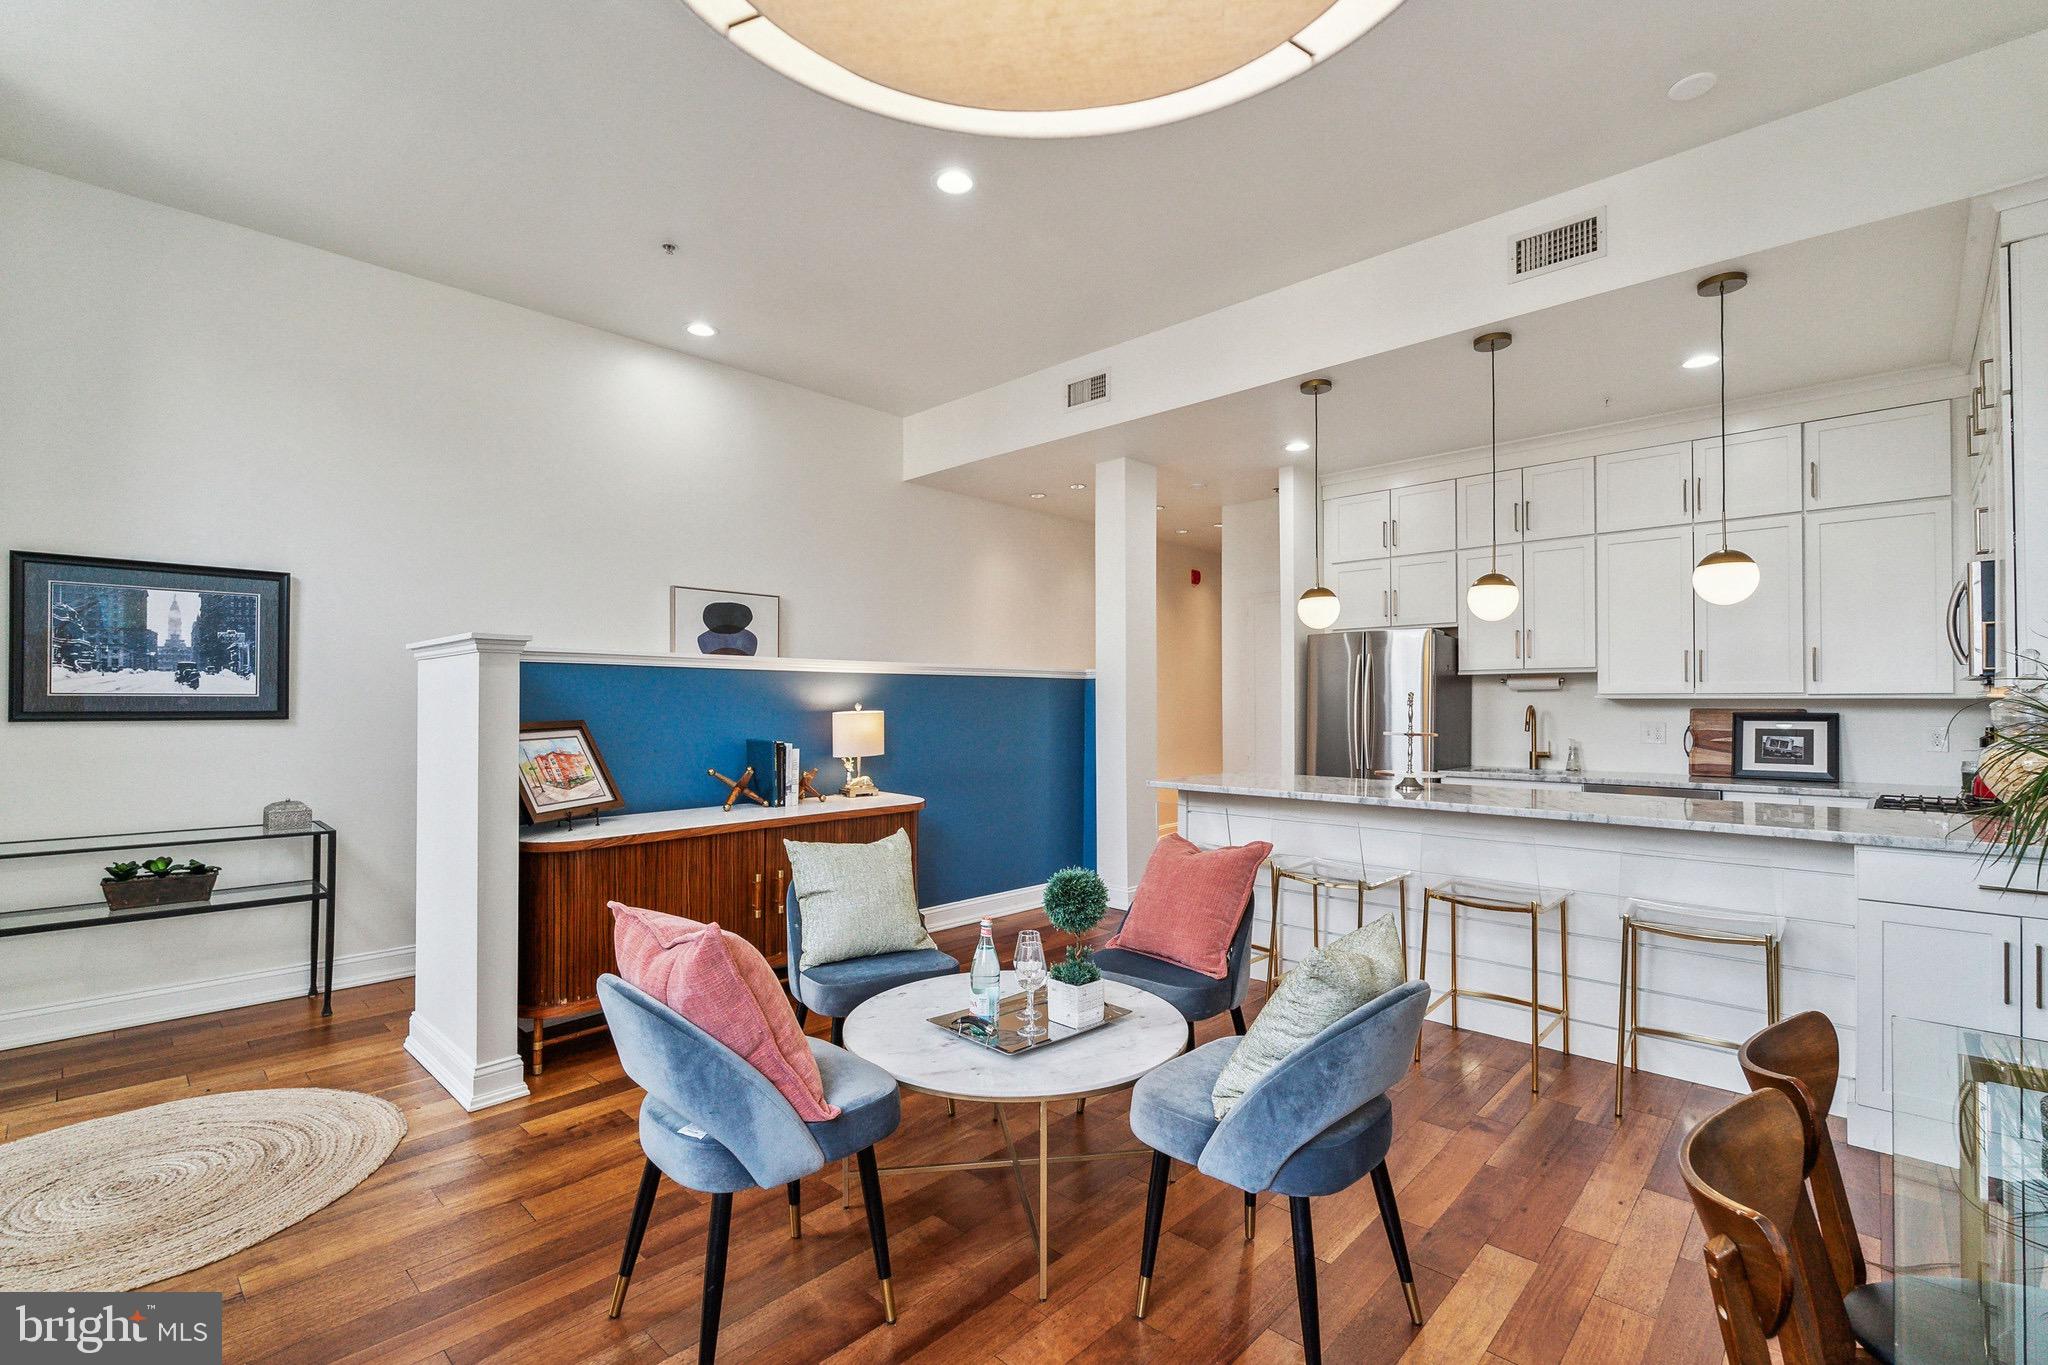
1870,301
540,151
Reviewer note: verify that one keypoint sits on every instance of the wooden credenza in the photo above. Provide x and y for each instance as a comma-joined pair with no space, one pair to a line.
706,864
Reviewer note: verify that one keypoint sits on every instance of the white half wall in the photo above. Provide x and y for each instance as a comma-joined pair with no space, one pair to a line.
423,461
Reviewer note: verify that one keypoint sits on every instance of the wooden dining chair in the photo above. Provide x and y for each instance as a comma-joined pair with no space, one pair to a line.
1802,1058
1745,1167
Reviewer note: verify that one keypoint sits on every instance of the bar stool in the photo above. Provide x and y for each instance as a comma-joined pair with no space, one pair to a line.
1508,898
1687,924
1321,876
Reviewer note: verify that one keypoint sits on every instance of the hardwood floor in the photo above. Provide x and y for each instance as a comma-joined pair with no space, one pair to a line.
1541,1232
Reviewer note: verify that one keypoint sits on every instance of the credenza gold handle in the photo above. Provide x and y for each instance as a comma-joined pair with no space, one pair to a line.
757,895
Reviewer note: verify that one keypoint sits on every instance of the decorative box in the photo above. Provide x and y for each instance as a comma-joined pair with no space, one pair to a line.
1074,1006
287,817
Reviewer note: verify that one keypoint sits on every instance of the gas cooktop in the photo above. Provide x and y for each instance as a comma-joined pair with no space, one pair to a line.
1934,805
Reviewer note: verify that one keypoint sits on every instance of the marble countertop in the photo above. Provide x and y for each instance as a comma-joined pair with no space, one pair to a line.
628,827
1759,817
1858,791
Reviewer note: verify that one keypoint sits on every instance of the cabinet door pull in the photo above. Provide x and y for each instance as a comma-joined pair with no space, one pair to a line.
1518,644
1816,663
2006,953
1813,478
1699,499
1977,427
1383,534
1385,614
1686,655
1529,644
1397,602
1515,516
1703,665
1685,496
1985,383
1393,531
2039,1003
1528,515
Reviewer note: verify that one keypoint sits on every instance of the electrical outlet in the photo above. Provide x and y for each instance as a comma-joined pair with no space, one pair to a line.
1653,732
1937,740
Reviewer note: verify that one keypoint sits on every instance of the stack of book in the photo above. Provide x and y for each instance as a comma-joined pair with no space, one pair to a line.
778,770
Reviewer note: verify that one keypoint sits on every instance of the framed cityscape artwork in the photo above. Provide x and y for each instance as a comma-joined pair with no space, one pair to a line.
130,639
561,773
1788,746
745,625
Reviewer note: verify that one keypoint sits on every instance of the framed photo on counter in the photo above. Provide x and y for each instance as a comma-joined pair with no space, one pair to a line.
1788,746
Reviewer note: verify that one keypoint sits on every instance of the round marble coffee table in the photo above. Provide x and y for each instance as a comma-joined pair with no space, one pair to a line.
893,1030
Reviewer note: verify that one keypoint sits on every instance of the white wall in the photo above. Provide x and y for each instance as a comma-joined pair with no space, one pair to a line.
423,461
1190,667
1251,623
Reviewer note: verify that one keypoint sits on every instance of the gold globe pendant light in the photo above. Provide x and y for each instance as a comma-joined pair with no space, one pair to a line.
1493,596
1318,607
1041,68
1724,577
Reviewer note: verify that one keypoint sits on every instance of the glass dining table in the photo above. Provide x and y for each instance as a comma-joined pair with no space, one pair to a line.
1969,1195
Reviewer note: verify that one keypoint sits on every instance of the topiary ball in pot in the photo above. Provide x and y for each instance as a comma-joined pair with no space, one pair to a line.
1075,902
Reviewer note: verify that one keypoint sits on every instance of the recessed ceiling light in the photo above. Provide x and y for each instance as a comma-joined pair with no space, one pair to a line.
1692,87
1296,447
1215,525
1036,496
1159,507
953,180
1196,484
1077,487
701,329
1182,531
1702,360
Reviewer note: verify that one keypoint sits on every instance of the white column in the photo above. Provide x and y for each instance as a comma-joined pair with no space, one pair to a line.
1126,671
1298,512
1251,607
466,984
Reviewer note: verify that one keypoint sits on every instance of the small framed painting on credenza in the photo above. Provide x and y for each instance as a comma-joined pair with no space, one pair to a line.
1788,746
561,773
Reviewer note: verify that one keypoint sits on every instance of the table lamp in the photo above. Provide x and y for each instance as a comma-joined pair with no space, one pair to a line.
856,734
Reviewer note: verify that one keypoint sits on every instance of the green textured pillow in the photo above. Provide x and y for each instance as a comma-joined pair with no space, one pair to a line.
1323,988
857,900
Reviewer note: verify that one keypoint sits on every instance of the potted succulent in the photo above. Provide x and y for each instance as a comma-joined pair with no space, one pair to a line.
1075,900
158,881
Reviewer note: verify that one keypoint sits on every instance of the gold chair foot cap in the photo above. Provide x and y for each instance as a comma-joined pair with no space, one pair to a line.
1251,1221
888,1303
1144,1293
619,1295
796,1224
1414,1304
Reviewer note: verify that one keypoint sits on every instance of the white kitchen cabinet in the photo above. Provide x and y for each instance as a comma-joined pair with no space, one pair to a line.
1488,646
1890,455
1765,476
1355,527
1957,967
1558,605
1424,518
1877,586
1557,500
1643,488
1425,589
1483,520
1755,648
1645,612
1363,589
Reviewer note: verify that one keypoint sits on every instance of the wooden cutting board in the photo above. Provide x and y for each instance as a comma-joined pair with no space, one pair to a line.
1710,751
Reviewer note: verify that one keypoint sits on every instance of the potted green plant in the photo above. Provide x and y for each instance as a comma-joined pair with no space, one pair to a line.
158,881
1075,900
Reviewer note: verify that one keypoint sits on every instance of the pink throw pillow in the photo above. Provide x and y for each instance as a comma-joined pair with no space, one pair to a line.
1189,903
721,983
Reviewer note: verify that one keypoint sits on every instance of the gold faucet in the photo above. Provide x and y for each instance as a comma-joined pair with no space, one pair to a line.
1536,755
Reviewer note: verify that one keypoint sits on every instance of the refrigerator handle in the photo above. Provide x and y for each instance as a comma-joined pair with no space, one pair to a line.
1353,721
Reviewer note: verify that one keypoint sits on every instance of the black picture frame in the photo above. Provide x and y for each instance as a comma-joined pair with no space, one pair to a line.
1820,730
256,634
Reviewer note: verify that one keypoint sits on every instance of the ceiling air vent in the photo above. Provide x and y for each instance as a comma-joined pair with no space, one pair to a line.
1093,389
1581,239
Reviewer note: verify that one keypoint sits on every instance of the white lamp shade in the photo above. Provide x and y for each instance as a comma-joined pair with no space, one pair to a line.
1725,577
1493,597
856,734
1318,608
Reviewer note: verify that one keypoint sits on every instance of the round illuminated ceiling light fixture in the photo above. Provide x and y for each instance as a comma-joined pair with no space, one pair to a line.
1041,68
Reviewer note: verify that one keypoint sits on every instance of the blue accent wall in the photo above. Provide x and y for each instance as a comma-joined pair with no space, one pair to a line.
1004,764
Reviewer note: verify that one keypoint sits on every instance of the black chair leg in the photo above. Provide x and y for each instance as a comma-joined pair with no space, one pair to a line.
714,1277
796,1210
1237,1019
803,1012
1397,1241
1191,1035
839,1032
1155,1214
878,1230
643,1205
1305,1279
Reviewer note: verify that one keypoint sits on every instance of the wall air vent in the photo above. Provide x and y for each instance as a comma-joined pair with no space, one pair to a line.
1553,248
1093,389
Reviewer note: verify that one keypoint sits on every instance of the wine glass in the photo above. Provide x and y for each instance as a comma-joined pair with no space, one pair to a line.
1030,965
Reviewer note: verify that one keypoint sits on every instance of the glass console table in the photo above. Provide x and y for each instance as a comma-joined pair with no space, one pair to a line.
315,890
1969,1194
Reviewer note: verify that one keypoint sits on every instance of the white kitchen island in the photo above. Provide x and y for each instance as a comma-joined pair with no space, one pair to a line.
1887,913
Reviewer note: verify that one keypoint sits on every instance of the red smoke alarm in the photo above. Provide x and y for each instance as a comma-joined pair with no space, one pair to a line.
1195,578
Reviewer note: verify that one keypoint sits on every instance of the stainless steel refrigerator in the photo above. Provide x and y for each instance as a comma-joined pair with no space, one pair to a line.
1359,682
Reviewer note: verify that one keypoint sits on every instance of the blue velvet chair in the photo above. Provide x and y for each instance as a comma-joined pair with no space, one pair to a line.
834,989
714,1124
1197,997
1312,1125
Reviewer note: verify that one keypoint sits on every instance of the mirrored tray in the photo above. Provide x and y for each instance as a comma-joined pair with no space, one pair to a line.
1007,1036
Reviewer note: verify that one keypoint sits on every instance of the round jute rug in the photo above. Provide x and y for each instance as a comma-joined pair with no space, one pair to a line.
119,1202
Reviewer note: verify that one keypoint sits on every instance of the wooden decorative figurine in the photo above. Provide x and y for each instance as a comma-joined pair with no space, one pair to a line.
807,787
739,787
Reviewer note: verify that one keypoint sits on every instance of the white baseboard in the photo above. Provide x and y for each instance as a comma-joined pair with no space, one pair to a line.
182,1000
953,914
474,1084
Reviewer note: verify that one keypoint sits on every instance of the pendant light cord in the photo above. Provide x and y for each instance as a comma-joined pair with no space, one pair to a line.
1723,367
1493,461
1315,408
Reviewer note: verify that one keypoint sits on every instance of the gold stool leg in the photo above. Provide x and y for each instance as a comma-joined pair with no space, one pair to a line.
1635,1023
1564,972
1422,965
1774,979
1535,995
1403,923
1621,1016
1452,906
1315,915
1273,935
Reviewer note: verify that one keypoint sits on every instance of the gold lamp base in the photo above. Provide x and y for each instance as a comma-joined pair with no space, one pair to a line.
858,783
